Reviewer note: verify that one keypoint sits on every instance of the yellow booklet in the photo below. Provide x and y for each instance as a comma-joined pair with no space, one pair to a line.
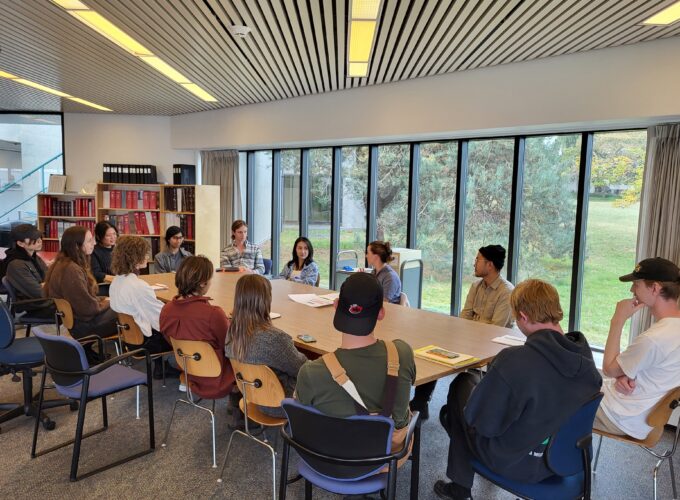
444,356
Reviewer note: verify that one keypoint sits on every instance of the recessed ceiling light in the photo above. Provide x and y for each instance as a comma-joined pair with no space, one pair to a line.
667,16
365,9
239,31
362,29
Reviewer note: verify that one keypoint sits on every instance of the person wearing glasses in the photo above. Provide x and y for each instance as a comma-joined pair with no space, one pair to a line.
169,260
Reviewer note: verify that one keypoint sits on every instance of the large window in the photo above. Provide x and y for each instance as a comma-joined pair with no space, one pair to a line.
392,201
30,150
616,180
290,204
261,234
319,210
487,204
435,221
548,221
354,189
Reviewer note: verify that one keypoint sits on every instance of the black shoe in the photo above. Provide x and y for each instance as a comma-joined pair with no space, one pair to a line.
451,491
421,407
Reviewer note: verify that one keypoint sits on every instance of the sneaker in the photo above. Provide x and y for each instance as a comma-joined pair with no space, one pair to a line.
182,388
451,491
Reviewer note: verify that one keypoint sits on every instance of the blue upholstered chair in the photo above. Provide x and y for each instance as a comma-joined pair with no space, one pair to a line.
568,455
24,318
267,267
22,355
73,377
345,455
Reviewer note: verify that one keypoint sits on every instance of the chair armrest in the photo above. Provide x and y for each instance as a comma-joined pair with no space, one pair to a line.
114,361
584,442
92,338
409,435
29,301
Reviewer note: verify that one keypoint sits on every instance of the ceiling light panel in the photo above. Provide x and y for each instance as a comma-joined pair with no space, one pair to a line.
162,67
365,9
361,40
667,16
357,69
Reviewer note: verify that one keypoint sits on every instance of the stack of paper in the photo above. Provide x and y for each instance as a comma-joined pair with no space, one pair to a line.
510,340
444,356
314,300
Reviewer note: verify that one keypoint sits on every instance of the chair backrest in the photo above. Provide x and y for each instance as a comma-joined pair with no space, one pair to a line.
64,354
659,416
356,437
11,292
347,258
403,300
318,280
267,266
564,457
129,330
7,331
202,362
266,391
64,313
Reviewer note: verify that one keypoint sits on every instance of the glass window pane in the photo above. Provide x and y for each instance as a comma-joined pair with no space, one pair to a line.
290,204
436,221
616,179
487,204
548,216
353,189
261,233
320,184
242,183
392,201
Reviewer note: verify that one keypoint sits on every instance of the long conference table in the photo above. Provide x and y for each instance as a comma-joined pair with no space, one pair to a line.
416,327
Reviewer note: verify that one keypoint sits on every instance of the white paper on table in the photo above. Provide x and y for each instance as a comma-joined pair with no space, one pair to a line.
273,315
158,286
510,340
314,300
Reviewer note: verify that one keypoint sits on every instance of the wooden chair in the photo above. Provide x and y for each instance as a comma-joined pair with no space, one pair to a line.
130,337
656,419
260,387
403,300
197,359
64,316
318,280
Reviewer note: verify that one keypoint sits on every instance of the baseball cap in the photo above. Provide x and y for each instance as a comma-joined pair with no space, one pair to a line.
361,298
654,269
24,232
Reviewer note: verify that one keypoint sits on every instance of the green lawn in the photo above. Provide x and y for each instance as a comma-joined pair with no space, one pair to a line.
610,252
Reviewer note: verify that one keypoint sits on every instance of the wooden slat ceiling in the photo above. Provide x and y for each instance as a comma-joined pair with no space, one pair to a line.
297,47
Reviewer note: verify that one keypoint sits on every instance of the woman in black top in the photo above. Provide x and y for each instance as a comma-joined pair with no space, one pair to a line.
105,235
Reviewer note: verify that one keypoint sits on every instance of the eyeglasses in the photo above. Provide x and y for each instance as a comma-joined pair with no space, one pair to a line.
177,238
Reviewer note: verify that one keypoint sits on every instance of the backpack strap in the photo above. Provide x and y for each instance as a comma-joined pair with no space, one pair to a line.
390,391
340,376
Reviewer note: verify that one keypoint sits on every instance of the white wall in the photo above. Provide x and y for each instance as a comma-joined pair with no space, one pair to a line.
636,85
94,139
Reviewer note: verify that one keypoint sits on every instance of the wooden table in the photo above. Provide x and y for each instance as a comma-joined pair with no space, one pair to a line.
416,327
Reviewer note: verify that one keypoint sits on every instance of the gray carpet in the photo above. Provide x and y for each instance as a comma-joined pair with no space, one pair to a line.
183,469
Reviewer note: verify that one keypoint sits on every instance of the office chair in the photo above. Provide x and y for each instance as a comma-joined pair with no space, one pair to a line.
347,456
25,318
267,267
657,419
568,455
73,377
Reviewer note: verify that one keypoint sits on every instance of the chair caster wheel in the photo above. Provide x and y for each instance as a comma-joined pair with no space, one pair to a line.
73,406
48,424
219,480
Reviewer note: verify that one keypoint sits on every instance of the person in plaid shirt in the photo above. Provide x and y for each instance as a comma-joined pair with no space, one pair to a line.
242,254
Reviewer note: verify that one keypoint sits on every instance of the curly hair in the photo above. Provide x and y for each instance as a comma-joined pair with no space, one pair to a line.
129,252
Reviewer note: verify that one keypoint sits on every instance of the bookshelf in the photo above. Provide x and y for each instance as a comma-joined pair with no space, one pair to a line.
57,212
147,210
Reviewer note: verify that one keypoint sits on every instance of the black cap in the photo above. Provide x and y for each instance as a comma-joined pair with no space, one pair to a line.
24,232
495,254
654,269
361,298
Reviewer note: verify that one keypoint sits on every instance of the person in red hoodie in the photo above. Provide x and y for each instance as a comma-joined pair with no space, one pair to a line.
190,316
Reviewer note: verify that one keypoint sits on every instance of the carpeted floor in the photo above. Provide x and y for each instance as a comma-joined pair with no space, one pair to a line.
183,468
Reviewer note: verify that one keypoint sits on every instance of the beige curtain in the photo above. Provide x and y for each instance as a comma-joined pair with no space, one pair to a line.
220,168
658,234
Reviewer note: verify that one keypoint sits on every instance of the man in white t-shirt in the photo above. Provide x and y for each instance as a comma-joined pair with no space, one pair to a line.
650,366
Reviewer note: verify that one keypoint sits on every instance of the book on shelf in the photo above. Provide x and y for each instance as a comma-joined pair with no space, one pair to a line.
184,221
130,199
140,223
444,356
183,174
129,174
55,228
51,206
57,184
180,199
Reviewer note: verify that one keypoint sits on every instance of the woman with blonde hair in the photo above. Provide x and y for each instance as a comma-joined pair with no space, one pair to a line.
253,339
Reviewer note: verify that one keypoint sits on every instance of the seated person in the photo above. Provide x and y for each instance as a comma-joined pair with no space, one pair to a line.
242,254
527,393
650,366
488,300
378,256
364,358
133,296
252,338
105,235
169,260
25,271
302,268
190,316
70,278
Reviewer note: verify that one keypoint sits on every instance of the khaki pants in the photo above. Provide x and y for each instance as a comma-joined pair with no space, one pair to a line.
603,423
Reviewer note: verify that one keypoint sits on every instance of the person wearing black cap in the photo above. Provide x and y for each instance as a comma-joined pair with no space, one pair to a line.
364,359
650,366
25,270
169,260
